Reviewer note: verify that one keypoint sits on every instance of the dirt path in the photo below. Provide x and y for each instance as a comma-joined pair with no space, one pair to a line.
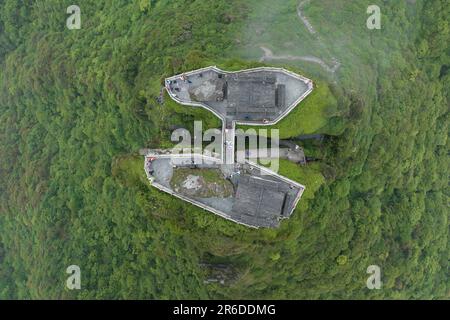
268,54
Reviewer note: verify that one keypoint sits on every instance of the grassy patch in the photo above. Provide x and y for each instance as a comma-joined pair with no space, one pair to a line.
197,113
129,170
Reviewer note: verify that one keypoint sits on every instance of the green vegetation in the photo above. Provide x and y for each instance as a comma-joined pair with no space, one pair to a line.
75,106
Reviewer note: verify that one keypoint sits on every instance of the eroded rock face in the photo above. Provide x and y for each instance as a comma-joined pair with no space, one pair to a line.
203,183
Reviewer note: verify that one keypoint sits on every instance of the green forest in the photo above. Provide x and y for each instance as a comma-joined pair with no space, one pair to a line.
77,105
